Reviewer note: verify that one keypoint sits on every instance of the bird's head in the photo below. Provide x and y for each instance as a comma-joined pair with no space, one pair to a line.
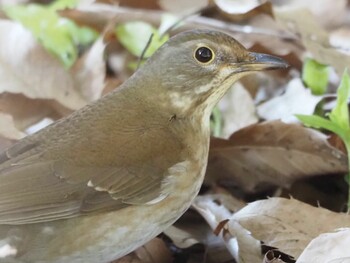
194,69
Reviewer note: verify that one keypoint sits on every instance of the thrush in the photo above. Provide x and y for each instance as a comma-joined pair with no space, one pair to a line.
103,181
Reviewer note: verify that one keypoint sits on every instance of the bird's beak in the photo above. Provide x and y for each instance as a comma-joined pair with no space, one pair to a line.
258,62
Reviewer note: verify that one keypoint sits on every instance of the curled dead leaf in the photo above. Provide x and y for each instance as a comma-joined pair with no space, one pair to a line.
241,10
287,224
328,247
242,246
273,153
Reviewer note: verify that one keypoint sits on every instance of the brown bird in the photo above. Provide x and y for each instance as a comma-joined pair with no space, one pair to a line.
101,182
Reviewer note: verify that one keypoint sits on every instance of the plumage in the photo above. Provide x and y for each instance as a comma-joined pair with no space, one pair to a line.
106,179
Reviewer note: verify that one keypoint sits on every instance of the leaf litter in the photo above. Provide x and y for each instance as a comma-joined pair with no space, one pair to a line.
264,154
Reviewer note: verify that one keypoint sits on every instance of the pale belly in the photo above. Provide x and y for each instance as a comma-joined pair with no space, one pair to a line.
95,238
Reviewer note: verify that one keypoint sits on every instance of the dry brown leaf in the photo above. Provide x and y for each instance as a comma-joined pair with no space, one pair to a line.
27,68
180,6
297,99
237,109
145,4
287,224
8,129
328,247
315,39
98,15
329,13
154,251
89,71
243,9
180,237
24,111
274,153
240,244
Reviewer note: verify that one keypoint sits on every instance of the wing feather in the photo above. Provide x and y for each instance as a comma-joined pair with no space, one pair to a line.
35,188
74,168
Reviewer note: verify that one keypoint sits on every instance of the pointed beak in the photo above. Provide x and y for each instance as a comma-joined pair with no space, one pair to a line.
258,62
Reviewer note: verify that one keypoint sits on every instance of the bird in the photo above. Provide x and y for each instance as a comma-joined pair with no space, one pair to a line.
101,182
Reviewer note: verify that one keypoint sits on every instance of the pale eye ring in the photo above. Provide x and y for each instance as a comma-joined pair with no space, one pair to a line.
204,55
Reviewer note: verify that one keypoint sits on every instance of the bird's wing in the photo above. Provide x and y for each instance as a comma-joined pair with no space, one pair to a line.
35,187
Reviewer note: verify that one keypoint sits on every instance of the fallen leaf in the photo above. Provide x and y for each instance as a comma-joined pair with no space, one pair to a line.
24,111
329,13
180,5
60,36
301,22
288,224
180,237
89,71
273,153
239,243
8,129
339,38
249,248
237,109
154,251
191,232
297,99
190,235
329,192
328,247
27,68
145,4
243,9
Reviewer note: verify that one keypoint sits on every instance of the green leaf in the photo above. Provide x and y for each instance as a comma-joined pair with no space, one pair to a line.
338,119
340,113
216,122
318,122
62,4
59,36
315,76
135,35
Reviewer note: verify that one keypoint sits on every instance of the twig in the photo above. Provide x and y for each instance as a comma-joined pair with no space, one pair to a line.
144,51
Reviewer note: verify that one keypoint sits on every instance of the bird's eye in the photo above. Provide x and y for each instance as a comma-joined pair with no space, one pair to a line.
204,55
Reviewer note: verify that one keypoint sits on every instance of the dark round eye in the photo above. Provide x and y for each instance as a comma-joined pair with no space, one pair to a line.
204,54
